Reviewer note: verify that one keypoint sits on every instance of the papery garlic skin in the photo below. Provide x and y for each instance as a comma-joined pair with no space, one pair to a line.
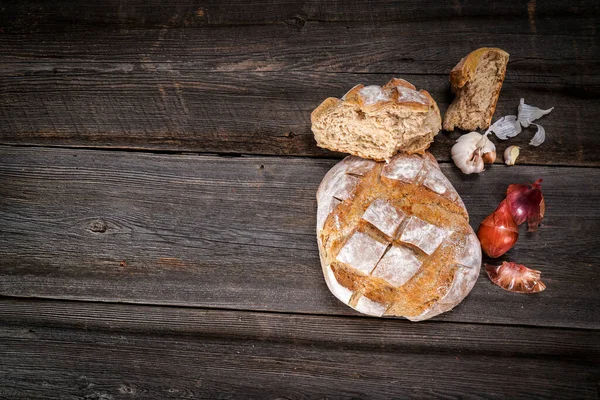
511,125
471,150
539,137
528,114
506,127
510,155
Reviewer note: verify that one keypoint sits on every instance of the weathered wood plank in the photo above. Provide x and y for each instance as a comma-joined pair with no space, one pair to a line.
135,75
178,108
238,232
560,46
118,351
37,16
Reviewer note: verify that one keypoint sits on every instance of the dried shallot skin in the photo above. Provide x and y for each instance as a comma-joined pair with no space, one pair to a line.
515,278
526,202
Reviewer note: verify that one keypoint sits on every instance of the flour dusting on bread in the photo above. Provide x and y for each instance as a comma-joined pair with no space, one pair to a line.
399,243
377,122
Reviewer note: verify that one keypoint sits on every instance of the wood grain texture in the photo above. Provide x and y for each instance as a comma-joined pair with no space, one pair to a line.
66,349
255,112
226,237
238,78
424,47
239,233
47,16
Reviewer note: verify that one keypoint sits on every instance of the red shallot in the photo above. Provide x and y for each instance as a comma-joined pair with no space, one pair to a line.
526,202
498,232
515,277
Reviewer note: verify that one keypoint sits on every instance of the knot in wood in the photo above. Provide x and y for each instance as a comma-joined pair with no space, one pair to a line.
296,21
98,226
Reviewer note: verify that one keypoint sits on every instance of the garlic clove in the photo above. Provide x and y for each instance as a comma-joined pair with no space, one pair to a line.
528,114
539,137
489,157
506,127
510,155
488,149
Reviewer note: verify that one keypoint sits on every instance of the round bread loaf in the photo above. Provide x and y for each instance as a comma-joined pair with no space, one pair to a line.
394,238
376,122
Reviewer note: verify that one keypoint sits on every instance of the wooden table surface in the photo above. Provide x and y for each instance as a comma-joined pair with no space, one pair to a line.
157,200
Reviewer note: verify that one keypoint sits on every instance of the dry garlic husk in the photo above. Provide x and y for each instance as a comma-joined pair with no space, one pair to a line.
506,127
528,114
471,151
510,155
511,125
539,137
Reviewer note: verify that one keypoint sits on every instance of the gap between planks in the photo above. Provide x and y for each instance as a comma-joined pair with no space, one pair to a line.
184,206
332,157
49,300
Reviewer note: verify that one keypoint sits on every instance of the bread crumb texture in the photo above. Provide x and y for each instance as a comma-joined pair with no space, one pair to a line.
476,80
394,238
377,122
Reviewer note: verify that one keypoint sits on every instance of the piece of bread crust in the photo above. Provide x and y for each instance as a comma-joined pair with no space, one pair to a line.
377,122
394,239
476,80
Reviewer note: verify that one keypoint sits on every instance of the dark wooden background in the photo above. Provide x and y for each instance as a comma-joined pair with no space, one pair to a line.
157,200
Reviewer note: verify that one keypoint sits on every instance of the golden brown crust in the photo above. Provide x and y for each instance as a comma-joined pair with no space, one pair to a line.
465,69
354,97
396,99
323,107
395,82
460,77
433,281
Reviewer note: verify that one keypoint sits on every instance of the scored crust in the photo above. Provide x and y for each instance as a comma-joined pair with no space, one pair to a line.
377,122
394,239
476,80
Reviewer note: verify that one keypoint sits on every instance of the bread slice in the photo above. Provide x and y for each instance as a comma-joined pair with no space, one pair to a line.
377,122
476,80
394,239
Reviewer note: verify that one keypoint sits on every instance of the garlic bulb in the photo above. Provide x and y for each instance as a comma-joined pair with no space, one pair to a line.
510,155
471,151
